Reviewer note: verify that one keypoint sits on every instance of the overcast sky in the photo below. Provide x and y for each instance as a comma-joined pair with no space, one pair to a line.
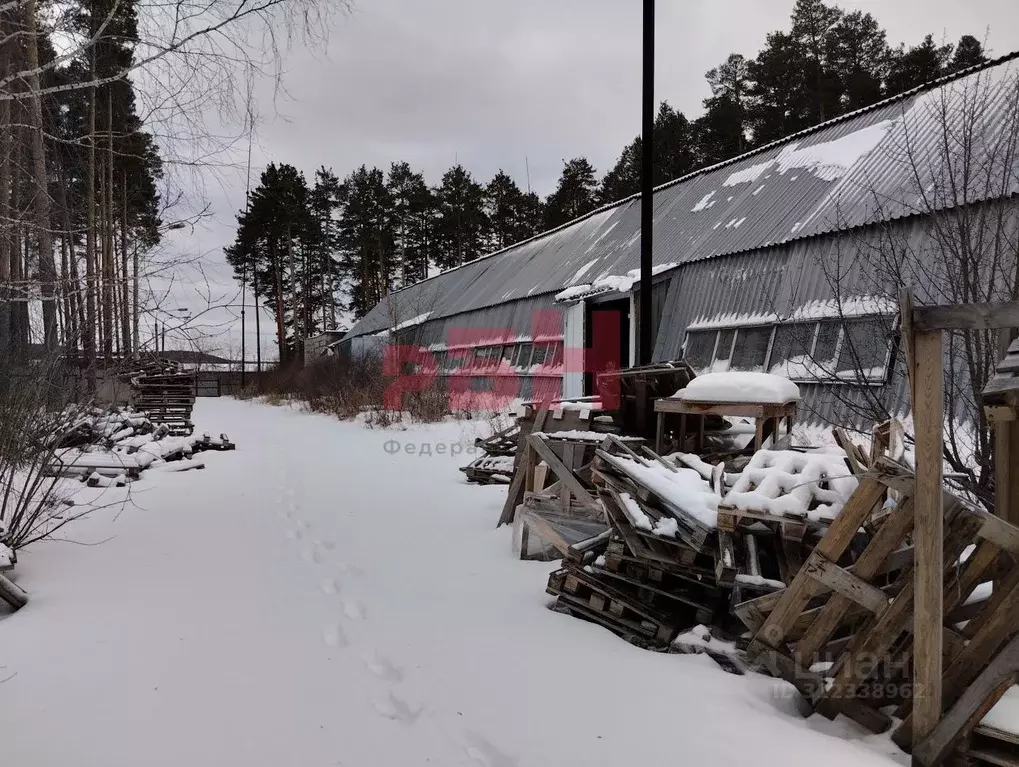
526,83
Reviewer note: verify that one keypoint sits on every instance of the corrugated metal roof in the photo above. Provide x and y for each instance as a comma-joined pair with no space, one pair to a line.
874,165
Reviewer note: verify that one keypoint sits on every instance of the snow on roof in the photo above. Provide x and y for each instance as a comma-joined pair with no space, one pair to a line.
609,284
849,172
740,387
857,306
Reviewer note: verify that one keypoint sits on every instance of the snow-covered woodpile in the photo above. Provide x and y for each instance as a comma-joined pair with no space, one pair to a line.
114,447
165,392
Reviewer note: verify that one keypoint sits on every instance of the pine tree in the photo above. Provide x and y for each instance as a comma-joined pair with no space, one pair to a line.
275,239
968,53
917,65
675,145
623,179
576,194
779,103
859,58
721,132
813,24
366,239
461,226
511,213
325,204
412,208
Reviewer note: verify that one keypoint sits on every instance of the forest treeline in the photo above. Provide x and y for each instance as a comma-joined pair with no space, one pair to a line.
78,176
311,250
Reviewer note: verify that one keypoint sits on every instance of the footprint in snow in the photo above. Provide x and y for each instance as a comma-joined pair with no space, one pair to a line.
348,569
484,753
333,636
397,709
293,534
383,668
301,524
353,610
329,586
325,545
310,555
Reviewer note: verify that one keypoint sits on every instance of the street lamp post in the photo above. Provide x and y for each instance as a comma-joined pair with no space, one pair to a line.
647,184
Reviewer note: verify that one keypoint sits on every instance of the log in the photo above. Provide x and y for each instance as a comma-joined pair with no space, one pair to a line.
12,593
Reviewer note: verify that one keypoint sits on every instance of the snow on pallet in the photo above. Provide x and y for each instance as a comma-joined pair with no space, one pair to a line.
850,604
792,489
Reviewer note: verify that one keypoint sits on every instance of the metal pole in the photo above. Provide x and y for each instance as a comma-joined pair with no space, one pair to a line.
244,267
647,184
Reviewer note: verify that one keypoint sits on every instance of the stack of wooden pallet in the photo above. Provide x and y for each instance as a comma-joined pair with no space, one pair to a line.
495,464
688,542
165,393
842,632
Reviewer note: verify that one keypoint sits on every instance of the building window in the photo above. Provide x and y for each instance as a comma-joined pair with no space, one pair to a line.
865,348
523,356
723,350
854,350
699,347
751,349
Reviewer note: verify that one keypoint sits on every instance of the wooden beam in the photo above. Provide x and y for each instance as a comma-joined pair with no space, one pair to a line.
565,475
966,317
928,618
906,336
974,704
846,584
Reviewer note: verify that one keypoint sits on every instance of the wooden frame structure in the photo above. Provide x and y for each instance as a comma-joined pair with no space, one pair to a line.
922,328
763,413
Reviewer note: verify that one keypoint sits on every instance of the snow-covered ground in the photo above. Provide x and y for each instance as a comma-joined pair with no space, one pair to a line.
317,599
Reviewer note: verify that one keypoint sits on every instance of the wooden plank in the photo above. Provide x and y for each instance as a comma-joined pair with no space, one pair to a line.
517,487
795,598
991,316
565,475
928,616
896,526
906,337
971,707
879,636
845,583
1000,532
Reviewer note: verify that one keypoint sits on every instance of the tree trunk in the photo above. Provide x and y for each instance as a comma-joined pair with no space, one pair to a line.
6,144
109,284
281,331
19,307
294,305
91,321
125,314
44,238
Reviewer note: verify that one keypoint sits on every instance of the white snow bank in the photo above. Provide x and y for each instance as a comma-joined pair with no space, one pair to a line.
788,482
6,556
1005,714
740,387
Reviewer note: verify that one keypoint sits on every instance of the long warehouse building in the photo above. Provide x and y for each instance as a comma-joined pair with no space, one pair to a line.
787,259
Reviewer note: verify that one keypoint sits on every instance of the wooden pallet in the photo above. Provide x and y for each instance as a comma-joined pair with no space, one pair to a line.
585,594
879,615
